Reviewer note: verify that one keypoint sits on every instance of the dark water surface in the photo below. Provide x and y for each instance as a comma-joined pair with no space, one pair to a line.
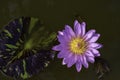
102,15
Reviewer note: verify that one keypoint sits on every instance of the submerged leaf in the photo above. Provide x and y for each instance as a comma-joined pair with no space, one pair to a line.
102,67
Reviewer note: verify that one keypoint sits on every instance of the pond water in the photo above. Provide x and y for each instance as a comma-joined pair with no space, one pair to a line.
102,15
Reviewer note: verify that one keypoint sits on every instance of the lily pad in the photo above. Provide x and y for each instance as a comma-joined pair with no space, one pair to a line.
25,47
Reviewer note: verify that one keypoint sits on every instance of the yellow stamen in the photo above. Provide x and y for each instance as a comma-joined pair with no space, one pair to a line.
77,45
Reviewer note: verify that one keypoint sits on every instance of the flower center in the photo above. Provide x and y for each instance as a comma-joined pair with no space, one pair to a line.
77,45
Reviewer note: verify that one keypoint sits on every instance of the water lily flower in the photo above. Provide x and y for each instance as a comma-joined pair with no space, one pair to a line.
77,46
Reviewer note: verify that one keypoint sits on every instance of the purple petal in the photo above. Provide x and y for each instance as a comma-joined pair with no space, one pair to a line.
63,62
61,38
60,55
89,53
67,57
95,45
78,29
57,47
95,52
75,22
63,54
67,35
94,38
89,34
69,30
78,66
85,63
91,59
72,60
83,28
66,60
60,33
